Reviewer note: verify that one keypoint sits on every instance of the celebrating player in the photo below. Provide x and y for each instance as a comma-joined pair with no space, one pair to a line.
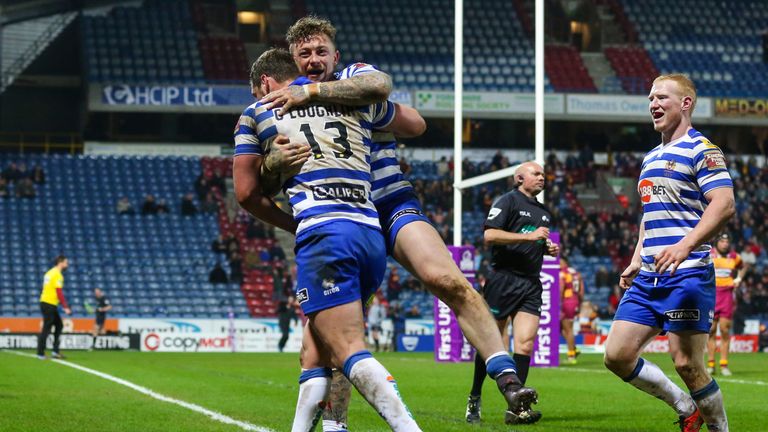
411,239
340,251
572,294
727,263
517,228
687,197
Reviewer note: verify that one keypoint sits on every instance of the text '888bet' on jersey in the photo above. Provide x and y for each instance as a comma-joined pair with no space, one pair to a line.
334,184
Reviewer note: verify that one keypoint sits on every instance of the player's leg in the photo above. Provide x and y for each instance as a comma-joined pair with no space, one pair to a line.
725,345
625,342
341,330
58,326
474,404
687,350
335,413
48,319
314,383
375,336
420,249
566,327
712,346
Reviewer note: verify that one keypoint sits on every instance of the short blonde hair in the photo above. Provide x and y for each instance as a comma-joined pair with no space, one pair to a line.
684,84
308,27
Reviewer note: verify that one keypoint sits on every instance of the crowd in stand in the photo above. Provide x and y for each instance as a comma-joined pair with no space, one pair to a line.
17,180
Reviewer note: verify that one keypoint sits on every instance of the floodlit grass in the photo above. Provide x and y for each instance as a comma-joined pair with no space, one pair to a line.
261,389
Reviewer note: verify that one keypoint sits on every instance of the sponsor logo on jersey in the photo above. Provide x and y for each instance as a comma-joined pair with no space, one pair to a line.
525,213
646,188
494,212
715,160
330,287
341,192
683,314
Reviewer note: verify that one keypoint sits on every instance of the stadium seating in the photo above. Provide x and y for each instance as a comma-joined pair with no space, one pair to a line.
155,43
149,266
566,70
718,44
633,68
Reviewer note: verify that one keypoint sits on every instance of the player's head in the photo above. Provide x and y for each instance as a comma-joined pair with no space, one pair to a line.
563,263
273,70
530,178
672,100
98,292
312,42
723,244
61,262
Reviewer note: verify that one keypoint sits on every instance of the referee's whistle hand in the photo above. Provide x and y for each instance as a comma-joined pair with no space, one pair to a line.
68,311
541,233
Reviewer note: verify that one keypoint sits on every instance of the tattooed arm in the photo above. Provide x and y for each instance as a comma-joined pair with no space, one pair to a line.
362,89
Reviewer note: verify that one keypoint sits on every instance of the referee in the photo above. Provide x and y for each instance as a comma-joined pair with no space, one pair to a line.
52,295
517,229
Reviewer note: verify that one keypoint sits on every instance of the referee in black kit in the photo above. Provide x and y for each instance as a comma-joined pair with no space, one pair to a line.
517,229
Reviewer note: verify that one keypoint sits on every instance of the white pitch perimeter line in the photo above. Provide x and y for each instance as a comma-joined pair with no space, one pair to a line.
217,416
726,380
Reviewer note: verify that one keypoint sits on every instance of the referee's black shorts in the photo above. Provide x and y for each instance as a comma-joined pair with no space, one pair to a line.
507,293
100,318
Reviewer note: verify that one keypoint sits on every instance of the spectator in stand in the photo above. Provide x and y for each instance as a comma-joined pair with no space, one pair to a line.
25,188
162,207
202,186
38,175
11,173
255,229
3,188
614,298
264,255
277,252
150,206
413,312
218,275
442,167
235,268
187,206
217,181
278,279
393,284
124,207
219,245
209,204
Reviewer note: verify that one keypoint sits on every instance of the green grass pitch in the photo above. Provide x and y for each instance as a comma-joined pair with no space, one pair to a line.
261,389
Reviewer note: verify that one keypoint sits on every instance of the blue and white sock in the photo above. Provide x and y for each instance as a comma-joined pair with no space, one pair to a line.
379,388
314,386
650,379
334,426
500,363
709,399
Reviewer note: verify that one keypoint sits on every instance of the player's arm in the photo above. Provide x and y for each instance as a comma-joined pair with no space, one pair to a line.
407,123
629,273
496,236
62,299
284,157
245,173
362,89
721,208
106,308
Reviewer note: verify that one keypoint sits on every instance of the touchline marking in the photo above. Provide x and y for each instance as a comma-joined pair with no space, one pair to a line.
726,380
219,417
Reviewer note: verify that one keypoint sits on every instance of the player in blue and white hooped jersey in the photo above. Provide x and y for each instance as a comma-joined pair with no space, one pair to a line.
687,197
340,251
412,240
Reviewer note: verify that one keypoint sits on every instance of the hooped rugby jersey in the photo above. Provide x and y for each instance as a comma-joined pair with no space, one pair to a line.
673,181
335,183
725,267
387,179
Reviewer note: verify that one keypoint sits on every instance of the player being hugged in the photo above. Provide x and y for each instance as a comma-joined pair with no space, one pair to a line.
687,197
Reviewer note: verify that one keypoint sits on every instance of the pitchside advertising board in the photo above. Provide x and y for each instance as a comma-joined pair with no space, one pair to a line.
72,341
191,335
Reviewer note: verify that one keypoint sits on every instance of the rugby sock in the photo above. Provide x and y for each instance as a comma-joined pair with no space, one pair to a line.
314,385
499,364
710,363
650,379
478,377
523,362
709,399
723,364
333,426
379,388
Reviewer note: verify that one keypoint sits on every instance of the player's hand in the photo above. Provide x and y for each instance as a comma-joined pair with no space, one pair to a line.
671,257
626,278
553,249
285,156
68,311
736,282
541,234
287,98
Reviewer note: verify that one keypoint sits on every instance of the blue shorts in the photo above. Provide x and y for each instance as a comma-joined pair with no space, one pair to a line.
685,301
397,211
338,263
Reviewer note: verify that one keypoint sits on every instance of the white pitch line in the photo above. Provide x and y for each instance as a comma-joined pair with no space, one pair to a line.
726,380
217,416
